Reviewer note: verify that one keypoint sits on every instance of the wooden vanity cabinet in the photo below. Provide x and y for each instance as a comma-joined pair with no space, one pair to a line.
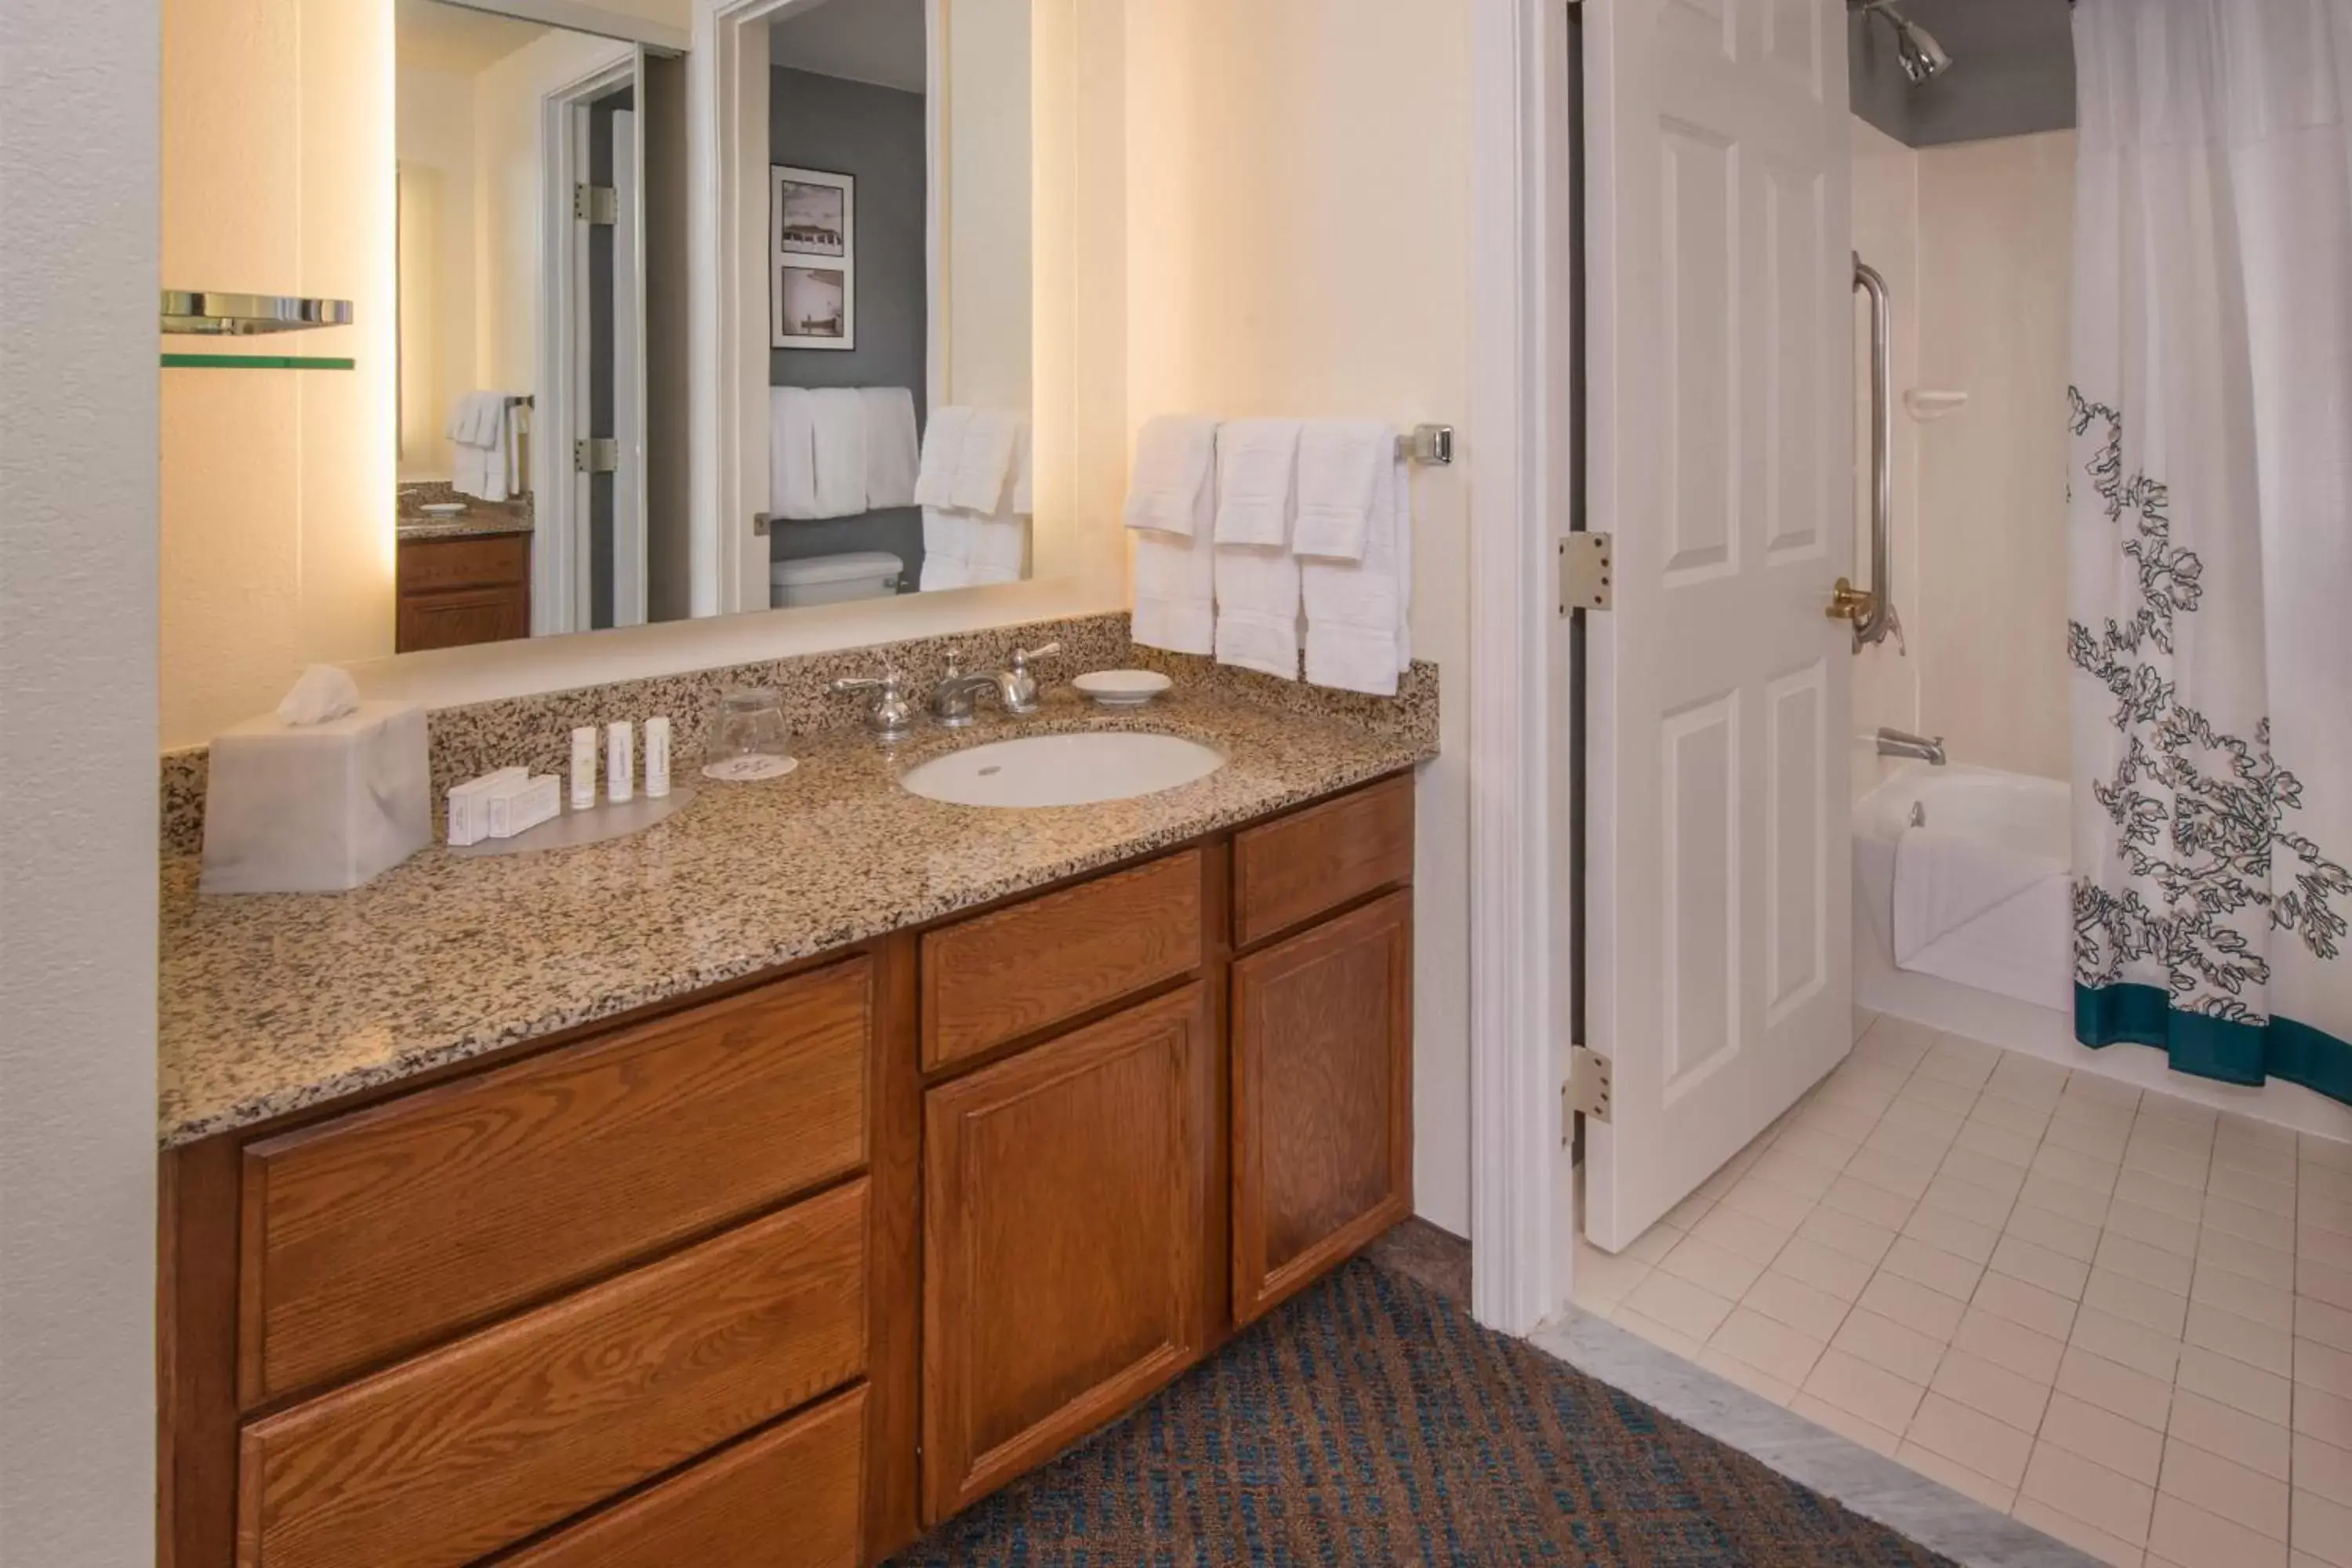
456,592
779,1276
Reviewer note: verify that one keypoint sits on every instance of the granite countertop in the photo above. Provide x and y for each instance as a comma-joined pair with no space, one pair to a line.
274,1003
480,520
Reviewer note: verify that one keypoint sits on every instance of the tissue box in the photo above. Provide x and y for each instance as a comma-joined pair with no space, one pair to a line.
318,808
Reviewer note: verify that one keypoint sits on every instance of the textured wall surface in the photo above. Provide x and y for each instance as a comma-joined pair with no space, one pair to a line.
77,649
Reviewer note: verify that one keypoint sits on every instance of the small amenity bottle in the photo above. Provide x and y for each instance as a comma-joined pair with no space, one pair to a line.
619,762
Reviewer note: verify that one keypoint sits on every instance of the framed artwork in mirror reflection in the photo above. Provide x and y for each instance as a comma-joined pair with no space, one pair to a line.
813,259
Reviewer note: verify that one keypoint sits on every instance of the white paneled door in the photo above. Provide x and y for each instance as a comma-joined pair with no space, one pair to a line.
1721,369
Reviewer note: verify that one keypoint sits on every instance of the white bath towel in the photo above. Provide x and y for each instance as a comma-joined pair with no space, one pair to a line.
1944,880
942,450
1257,473
1170,489
1359,613
838,414
485,455
1343,464
946,539
1171,505
984,465
791,453
891,455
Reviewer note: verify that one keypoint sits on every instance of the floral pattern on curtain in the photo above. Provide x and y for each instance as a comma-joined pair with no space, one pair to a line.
2211,536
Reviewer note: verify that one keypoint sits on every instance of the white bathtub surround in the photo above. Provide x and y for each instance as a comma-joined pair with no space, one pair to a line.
2123,1318
2212,485
1966,871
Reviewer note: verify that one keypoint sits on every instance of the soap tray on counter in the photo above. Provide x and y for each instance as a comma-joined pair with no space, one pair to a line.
574,828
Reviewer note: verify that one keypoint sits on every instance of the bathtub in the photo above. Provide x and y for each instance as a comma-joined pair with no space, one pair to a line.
2020,950
2017,959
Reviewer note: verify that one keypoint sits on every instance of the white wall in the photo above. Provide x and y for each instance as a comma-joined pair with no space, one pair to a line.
79,149
1298,244
1996,264
1887,235
990,225
1976,241
435,139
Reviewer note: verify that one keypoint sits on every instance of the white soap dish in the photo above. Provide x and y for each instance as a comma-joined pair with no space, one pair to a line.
442,508
1123,687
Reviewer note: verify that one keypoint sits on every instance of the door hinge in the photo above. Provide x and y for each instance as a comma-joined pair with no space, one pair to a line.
596,454
759,522
595,204
1588,572
1586,1092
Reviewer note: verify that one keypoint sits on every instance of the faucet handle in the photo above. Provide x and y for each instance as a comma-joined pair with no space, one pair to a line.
891,715
1021,657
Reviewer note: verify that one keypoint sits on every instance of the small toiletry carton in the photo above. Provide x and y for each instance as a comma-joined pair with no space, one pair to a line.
518,806
317,808
469,814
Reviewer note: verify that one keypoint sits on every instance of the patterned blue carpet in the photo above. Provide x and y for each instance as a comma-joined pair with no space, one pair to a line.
1369,1422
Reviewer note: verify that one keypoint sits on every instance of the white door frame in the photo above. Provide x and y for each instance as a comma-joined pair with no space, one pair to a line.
1521,681
559,548
629,346
727,104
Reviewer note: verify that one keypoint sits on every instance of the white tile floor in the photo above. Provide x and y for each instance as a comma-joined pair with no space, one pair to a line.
2122,1318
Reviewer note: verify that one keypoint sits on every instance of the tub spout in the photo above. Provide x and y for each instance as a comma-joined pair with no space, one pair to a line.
1902,743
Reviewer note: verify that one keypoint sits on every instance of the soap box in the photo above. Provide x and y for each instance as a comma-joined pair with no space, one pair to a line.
315,809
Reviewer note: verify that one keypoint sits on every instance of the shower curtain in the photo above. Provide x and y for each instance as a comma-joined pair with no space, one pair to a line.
2210,520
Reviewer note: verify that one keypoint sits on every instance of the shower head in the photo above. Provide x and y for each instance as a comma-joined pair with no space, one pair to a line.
1923,58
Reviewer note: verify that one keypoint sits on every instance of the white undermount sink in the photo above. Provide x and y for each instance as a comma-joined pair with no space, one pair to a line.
1063,769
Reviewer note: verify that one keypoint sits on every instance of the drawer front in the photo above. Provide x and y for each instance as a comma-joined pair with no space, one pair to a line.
787,1499
1003,975
445,1459
497,561
1291,871
387,1230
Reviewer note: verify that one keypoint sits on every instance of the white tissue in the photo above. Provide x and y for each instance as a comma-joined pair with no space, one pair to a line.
324,693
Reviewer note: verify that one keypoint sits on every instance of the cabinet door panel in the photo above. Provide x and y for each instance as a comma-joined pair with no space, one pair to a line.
1067,1203
1322,1073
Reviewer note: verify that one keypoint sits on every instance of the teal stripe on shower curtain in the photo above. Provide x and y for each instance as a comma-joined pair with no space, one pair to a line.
2221,1048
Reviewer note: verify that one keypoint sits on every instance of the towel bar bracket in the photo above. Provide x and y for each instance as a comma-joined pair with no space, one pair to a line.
1430,445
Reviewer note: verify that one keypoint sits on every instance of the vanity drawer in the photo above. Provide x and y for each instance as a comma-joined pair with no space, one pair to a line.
428,565
383,1231
1296,868
1003,975
787,1499
443,1459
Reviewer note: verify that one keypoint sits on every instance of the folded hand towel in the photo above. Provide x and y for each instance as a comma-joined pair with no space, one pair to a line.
1172,490
983,473
1257,470
1358,612
942,450
839,414
1257,608
891,458
791,453
1342,463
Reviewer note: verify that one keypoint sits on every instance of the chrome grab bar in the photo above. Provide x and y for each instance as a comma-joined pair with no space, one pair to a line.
1872,611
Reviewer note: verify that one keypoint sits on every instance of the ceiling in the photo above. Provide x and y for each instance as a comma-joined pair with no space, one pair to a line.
431,36
877,41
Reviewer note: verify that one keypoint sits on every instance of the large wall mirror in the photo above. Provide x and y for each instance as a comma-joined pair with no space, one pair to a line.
513,436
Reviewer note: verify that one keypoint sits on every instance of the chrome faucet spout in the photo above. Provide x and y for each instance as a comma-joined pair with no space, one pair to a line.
1919,748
